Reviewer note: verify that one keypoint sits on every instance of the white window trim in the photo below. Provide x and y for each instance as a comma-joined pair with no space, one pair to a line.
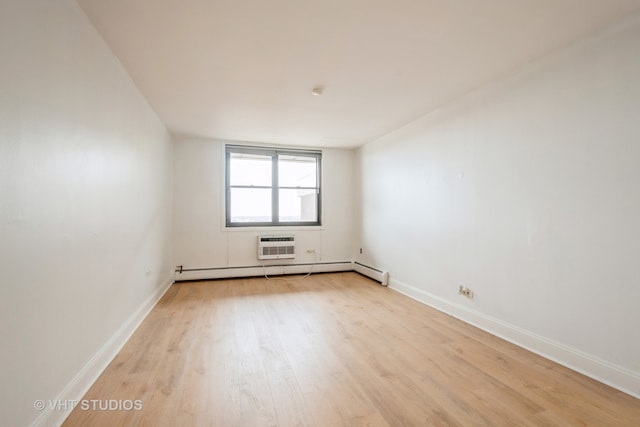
274,151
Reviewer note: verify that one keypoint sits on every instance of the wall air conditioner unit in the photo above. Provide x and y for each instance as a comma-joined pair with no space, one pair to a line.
276,247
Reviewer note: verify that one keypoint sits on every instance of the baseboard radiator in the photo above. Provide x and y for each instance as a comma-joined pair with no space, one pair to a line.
373,273
185,274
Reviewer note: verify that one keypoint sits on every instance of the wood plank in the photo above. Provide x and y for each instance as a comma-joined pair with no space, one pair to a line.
333,349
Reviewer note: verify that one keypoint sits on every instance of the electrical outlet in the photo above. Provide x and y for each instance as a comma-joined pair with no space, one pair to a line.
465,292
361,251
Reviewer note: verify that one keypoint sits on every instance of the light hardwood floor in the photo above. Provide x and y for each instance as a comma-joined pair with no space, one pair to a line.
332,350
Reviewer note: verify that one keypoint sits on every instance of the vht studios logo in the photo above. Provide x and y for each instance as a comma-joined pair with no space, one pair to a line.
89,405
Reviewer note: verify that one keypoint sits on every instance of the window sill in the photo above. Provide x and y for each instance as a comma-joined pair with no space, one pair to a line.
276,228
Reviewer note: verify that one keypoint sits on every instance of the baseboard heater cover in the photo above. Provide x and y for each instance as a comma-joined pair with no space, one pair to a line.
185,274
373,273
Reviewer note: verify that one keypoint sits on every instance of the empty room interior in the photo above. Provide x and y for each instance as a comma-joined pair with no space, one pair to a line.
320,212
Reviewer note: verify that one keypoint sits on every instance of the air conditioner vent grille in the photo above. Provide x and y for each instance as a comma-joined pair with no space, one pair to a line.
278,250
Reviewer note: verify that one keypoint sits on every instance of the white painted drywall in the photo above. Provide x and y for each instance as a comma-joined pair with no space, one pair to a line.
527,192
85,202
201,239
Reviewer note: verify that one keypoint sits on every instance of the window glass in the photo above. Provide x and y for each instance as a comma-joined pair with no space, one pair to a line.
297,205
296,171
250,169
250,205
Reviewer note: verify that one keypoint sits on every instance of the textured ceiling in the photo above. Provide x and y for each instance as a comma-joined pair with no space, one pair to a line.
244,70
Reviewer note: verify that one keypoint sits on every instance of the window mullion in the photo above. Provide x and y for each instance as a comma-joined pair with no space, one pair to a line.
275,196
228,187
318,189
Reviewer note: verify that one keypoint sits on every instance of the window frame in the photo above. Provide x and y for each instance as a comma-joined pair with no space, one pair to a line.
275,188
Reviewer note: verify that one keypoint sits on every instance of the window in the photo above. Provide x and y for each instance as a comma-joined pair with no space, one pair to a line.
271,187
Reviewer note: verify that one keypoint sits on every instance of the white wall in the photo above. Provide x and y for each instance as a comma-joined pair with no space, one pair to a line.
85,206
201,239
527,192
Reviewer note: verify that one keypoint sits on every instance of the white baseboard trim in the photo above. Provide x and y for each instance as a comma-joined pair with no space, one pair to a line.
600,370
80,384
254,271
